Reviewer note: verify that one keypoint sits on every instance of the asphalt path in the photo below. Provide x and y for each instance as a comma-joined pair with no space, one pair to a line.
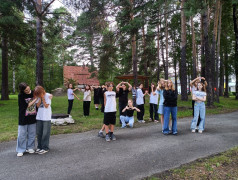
138,152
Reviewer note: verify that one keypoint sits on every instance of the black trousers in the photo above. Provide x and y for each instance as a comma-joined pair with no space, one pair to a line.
70,106
199,119
140,115
122,105
153,111
86,108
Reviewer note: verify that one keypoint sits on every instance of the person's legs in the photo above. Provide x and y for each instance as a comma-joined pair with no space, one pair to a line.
31,136
39,132
142,111
84,108
21,139
131,121
166,120
155,107
202,113
88,107
139,116
174,119
195,118
70,106
46,135
151,111
123,121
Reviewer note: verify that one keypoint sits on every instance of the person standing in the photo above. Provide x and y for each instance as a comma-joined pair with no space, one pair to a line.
70,94
43,117
170,107
133,91
86,100
27,120
199,107
96,96
154,96
140,104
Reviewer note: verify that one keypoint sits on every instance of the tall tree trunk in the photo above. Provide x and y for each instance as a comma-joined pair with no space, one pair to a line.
218,57
13,79
166,44
183,67
226,94
213,52
144,52
221,87
202,50
4,94
39,48
194,74
207,57
236,46
158,51
133,46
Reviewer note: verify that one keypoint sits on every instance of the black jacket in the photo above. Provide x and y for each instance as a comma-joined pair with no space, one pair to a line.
170,98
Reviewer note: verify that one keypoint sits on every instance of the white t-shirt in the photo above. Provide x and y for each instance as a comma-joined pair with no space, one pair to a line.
110,101
139,97
86,95
70,94
193,89
44,114
199,94
154,98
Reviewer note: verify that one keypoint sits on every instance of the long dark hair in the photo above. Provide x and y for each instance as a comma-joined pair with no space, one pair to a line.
22,86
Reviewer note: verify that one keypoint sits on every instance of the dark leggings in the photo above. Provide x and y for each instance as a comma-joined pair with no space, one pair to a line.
199,119
153,111
140,115
86,108
70,106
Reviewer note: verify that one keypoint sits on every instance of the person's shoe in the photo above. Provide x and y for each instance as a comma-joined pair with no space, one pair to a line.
142,121
31,151
123,127
200,131
100,134
107,138
19,154
43,151
38,150
113,137
156,121
150,119
193,131
139,121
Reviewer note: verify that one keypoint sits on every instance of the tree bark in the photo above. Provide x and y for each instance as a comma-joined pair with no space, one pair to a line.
202,50
236,46
144,52
39,48
183,67
194,74
13,79
158,52
166,45
4,94
226,94
221,87
207,58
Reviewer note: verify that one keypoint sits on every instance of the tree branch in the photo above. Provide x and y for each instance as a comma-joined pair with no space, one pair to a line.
47,6
35,7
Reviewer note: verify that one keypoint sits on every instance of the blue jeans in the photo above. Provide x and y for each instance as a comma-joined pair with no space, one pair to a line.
26,137
199,108
167,111
125,120
43,134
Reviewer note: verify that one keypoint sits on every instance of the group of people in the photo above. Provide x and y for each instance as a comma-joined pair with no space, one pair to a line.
35,110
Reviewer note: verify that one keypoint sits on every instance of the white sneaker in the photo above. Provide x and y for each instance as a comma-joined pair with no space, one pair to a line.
43,151
31,151
142,121
193,130
139,121
200,131
19,154
37,151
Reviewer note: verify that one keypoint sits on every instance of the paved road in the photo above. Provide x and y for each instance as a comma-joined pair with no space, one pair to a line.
138,152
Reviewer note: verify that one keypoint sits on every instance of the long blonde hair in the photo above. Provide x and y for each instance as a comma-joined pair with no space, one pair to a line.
167,86
160,84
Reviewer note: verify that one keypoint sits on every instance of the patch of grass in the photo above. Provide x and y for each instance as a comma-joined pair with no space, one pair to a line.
9,114
220,166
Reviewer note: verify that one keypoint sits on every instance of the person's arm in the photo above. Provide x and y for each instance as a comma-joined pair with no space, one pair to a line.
125,109
44,102
39,102
76,96
194,98
138,110
130,87
204,98
32,102
105,99
193,81
118,87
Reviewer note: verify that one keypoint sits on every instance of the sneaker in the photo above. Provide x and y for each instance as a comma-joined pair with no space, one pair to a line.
200,131
123,127
156,121
107,138
19,154
139,121
193,131
142,121
113,137
43,151
38,150
150,119
100,134
31,151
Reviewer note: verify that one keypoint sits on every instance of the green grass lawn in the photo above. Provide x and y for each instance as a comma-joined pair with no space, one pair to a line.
9,115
